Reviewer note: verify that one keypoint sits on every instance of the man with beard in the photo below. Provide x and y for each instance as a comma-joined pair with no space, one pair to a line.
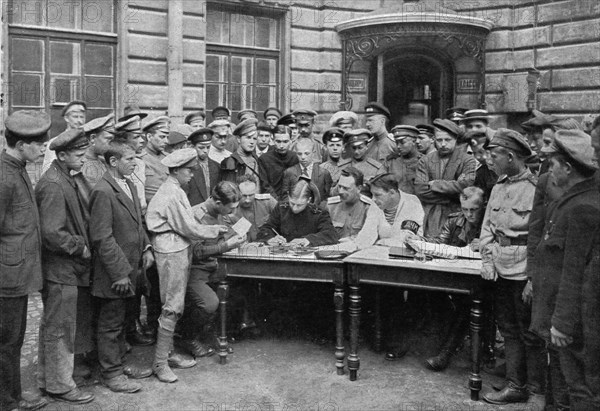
425,144
442,175
382,145
348,210
334,142
273,163
403,163
305,120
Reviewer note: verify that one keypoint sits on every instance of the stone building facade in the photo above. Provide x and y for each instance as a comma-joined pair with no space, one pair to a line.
418,57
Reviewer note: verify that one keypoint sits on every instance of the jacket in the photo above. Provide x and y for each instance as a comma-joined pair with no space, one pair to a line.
196,188
318,176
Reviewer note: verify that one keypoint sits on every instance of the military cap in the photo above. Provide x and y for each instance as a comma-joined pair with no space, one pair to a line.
287,120
75,105
334,135
576,145
539,120
264,126
304,116
272,111
192,116
202,135
455,113
245,114
160,123
98,124
358,136
179,133
247,126
343,117
132,110
219,123
402,131
71,139
511,140
220,111
476,114
29,125
448,126
130,125
375,108
186,157
426,129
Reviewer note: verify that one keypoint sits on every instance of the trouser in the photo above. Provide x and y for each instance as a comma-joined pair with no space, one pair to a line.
525,353
173,271
133,309
201,302
581,369
13,320
153,300
557,391
85,338
111,339
57,338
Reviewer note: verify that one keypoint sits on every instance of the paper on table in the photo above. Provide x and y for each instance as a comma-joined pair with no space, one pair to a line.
443,250
242,227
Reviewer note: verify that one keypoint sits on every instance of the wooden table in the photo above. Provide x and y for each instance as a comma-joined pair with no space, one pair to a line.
460,276
256,262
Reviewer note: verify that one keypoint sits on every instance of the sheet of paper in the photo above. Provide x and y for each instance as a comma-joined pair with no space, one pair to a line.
443,250
242,226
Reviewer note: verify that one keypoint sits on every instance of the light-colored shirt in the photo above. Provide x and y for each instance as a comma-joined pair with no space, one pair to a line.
138,178
125,187
218,155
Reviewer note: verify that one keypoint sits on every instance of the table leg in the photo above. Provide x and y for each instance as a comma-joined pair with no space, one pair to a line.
223,293
338,302
378,332
353,360
476,326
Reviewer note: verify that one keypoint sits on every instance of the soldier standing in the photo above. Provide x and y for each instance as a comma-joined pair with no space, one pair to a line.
382,145
358,142
403,163
333,139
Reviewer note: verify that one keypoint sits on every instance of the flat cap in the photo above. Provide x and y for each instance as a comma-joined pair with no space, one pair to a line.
375,108
511,140
130,125
273,111
98,124
402,131
476,114
576,145
448,126
287,120
245,114
264,126
202,135
220,111
29,125
160,123
426,129
219,123
71,139
335,135
75,105
539,119
358,136
186,157
179,133
132,110
194,115
455,113
343,117
246,127
304,115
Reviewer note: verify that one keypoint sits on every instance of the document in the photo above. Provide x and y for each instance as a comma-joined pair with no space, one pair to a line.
242,227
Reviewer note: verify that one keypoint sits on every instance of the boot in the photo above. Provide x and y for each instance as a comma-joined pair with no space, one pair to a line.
160,367
440,361
455,336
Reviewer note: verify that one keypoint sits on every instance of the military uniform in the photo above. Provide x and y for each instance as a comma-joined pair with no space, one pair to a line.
405,169
369,167
156,172
348,219
381,147
334,170
258,214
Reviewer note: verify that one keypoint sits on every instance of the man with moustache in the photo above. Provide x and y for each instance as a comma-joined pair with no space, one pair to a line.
403,163
382,145
273,163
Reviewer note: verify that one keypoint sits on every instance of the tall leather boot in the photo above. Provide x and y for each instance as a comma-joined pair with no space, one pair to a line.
160,367
455,336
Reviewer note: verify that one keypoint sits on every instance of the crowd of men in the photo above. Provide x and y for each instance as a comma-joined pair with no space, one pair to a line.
136,207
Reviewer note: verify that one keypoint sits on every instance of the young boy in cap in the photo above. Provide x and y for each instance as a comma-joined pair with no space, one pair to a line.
382,145
26,135
170,219
207,176
274,162
333,139
66,266
123,252
403,163
566,303
100,132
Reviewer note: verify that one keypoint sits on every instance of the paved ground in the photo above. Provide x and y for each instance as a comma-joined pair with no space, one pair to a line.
285,374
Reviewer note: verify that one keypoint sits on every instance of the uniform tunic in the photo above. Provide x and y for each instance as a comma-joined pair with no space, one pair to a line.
348,219
312,223
381,147
257,214
405,169
334,170
156,172
369,167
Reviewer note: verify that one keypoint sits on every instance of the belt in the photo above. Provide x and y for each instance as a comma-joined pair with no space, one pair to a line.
507,241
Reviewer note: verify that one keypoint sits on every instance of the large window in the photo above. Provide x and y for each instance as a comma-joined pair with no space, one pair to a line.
62,51
242,59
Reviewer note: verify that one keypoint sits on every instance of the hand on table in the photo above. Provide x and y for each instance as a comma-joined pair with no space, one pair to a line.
475,245
277,240
302,242
235,241
560,339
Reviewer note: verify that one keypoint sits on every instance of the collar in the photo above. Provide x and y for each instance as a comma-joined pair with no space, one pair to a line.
153,151
173,180
15,162
589,184
521,176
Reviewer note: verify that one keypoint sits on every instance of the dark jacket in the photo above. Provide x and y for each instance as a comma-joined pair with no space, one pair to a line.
196,188
272,166
312,223
20,240
319,177
457,231
563,253
234,167
485,179
64,227
117,236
